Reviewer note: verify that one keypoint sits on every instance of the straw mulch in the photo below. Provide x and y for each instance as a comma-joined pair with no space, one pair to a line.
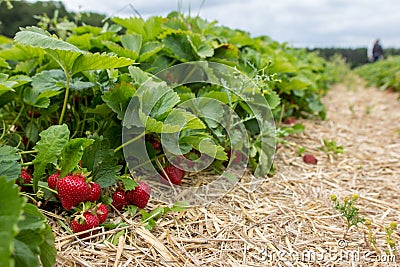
289,220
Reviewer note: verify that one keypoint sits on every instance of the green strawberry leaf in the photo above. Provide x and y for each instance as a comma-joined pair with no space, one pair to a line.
24,256
38,37
49,149
107,174
202,48
54,80
180,206
45,85
224,97
148,219
148,29
183,119
34,234
48,252
129,183
68,56
133,42
48,80
156,213
155,126
179,47
21,53
20,80
150,49
101,161
121,51
72,153
62,52
157,101
9,163
4,64
118,98
10,211
5,84
139,76
40,99
81,41
132,24
204,144
273,99
98,62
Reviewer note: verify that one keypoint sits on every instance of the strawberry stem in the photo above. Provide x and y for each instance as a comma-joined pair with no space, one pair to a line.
48,188
129,142
68,78
147,162
27,152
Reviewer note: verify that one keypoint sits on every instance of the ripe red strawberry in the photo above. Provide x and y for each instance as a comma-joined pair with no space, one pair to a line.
52,180
33,114
95,192
26,177
310,159
85,222
156,145
25,141
140,195
174,174
119,199
72,190
291,120
102,212
238,157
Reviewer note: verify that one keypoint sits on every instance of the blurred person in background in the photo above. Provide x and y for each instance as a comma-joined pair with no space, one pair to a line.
377,51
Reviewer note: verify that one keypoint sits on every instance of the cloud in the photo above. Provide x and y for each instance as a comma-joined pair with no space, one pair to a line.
298,22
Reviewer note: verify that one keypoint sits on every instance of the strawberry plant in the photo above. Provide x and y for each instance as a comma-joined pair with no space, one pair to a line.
384,74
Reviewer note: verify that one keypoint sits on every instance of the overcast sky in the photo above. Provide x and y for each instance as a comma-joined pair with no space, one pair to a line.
305,23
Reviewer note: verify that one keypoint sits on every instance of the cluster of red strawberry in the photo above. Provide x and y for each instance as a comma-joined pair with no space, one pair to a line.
89,219
73,190
138,196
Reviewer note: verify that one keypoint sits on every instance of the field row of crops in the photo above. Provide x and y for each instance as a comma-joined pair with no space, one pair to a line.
384,74
136,96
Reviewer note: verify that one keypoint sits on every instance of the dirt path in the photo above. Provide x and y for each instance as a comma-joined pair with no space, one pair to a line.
289,220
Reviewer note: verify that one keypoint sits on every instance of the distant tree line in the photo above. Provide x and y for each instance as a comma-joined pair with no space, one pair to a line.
24,13
354,56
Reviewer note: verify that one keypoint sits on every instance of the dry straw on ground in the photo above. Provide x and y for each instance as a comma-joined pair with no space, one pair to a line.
290,213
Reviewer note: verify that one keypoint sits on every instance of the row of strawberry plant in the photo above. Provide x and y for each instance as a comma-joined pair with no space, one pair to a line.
42,73
64,98
384,74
